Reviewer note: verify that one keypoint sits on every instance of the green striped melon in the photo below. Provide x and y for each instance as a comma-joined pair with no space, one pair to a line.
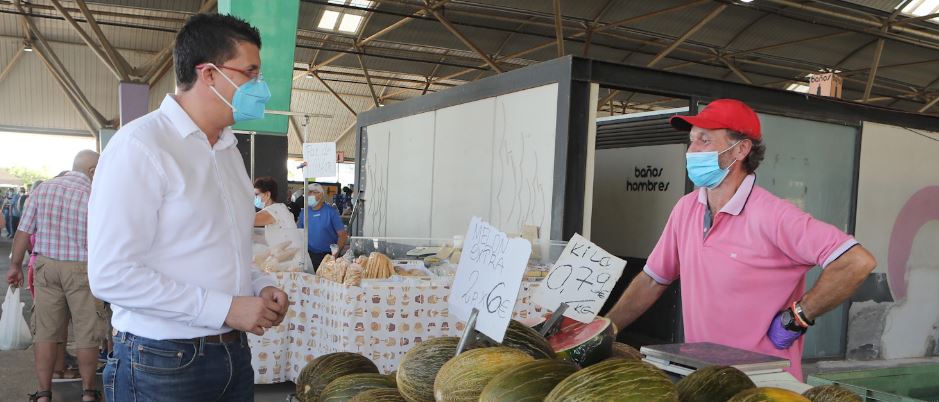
618,380
768,394
379,395
346,387
463,378
624,351
831,393
713,384
529,382
326,368
420,365
584,344
521,337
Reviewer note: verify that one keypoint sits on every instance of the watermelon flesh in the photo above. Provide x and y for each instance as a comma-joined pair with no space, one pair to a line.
583,344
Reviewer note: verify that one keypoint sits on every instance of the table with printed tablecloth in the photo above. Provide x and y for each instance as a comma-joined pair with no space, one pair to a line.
381,320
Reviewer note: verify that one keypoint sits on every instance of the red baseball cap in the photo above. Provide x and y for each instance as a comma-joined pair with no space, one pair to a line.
731,114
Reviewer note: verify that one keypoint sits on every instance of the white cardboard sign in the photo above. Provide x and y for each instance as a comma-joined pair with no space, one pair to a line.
320,158
582,277
489,277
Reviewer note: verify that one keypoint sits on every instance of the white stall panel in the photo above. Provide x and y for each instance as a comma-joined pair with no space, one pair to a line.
462,166
410,175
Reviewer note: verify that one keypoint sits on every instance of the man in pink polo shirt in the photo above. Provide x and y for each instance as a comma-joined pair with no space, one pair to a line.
741,252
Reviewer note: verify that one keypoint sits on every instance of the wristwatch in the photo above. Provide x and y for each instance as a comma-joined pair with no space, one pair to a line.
789,321
797,310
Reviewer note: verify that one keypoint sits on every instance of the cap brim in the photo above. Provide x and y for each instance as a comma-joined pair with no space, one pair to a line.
684,123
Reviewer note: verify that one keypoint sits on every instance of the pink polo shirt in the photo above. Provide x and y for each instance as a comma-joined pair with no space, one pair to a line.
750,265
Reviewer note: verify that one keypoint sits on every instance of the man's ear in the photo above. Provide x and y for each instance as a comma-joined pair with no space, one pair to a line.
207,75
744,148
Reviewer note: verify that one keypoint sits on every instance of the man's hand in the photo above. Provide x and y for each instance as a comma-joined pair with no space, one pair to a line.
781,337
252,314
15,276
273,294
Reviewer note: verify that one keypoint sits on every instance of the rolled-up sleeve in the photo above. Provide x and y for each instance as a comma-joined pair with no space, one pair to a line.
123,212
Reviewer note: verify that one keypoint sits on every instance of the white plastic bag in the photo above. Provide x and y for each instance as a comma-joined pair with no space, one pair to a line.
14,333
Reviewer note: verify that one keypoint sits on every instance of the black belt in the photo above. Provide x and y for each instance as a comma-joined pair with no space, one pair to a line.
228,337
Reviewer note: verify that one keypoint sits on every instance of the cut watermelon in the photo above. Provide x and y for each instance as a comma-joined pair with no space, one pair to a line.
584,344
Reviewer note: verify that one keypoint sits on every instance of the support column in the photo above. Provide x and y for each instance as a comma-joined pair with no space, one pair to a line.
104,136
133,100
277,22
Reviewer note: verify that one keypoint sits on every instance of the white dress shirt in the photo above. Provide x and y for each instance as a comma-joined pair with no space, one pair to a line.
169,227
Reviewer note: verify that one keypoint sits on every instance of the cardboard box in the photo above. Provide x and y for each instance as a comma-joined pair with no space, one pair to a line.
825,85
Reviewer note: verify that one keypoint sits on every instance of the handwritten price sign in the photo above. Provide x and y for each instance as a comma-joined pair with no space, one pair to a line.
488,278
582,277
320,158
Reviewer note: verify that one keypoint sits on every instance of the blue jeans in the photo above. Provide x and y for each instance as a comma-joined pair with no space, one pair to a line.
143,369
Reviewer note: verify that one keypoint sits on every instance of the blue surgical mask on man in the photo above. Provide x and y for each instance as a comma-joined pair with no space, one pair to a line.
311,201
704,170
249,99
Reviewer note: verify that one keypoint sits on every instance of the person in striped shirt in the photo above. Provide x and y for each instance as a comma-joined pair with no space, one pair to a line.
57,213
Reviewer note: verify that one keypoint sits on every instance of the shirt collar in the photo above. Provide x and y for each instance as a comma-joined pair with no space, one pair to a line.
186,127
81,176
738,201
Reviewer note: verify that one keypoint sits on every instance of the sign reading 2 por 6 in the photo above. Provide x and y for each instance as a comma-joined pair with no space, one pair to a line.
582,277
489,277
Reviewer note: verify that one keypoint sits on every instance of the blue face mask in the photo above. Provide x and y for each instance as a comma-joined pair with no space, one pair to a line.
249,99
704,170
258,203
311,201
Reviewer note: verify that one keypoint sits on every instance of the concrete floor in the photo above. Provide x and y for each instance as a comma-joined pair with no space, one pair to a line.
17,376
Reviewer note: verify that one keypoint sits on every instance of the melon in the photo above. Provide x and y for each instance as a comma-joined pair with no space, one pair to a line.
584,344
379,395
831,393
521,337
326,368
618,380
346,387
463,378
420,365
713,384
624,351
767,394
529,382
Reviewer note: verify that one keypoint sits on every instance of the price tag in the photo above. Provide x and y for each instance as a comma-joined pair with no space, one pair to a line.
320,158
488,277
582,277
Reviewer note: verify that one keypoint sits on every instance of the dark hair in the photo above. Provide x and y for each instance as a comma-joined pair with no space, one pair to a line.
208,38
757,151
267,184
347,190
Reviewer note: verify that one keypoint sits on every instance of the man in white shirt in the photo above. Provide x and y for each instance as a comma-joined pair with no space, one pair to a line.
173,257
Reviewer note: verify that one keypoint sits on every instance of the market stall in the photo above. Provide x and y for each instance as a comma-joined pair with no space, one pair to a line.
378,318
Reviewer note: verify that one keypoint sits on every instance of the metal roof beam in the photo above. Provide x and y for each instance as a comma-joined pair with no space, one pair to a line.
463,38
873,70
9,67
166,55
94,119
558,28
336,95
87,39
677,42
368,79
380,33
116,58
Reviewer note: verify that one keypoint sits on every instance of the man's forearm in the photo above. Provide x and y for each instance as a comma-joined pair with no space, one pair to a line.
642,292
838,282
20,245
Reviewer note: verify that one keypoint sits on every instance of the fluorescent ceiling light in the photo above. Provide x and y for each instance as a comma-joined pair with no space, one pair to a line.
329,19
919,8
350,23
798,87
339,2
361,3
